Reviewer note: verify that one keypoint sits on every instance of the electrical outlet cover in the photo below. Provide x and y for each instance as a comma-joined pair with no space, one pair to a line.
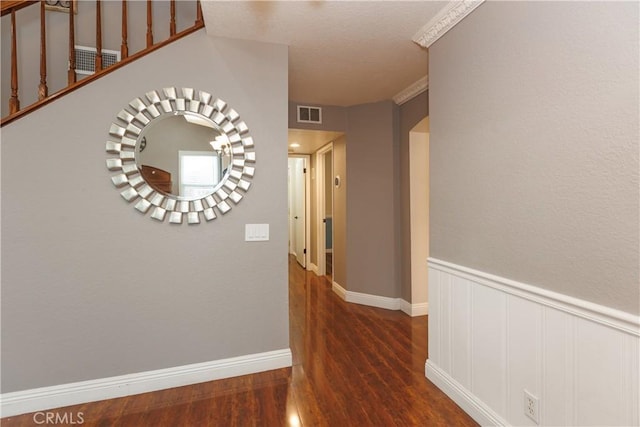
531,406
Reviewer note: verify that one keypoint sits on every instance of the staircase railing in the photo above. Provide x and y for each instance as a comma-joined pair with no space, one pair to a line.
12,7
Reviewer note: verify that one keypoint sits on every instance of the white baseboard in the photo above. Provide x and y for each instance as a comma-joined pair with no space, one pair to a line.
388,303
367,299
40,399
414,310
476,409
312,267
339,290
373,300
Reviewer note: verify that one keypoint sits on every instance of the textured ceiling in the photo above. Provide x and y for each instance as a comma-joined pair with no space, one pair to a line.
340,52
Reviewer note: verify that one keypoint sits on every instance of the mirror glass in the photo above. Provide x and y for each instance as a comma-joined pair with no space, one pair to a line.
184,155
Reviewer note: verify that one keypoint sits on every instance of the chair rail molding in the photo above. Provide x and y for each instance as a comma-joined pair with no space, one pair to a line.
445,20
612,318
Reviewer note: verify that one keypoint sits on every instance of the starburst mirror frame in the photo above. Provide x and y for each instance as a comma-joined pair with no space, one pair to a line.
125,136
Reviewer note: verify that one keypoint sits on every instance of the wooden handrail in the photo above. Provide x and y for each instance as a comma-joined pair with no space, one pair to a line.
10,7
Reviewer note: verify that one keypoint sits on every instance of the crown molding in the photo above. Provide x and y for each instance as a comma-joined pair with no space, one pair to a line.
447,18
412,91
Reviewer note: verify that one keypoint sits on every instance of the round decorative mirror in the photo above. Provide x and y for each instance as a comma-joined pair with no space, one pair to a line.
179,153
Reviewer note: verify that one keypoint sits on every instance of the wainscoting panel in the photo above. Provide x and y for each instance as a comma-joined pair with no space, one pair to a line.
491,338
461,332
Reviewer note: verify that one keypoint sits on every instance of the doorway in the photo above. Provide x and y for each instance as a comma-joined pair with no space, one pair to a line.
298,183
326,227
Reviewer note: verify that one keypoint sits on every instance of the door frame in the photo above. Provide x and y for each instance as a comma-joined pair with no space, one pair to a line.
419,215
307,205
320,207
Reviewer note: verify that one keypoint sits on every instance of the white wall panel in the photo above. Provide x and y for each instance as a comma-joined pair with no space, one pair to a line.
434,317
461,331
491,338
557,375
445,321
524,367
632,403
599,367
488,374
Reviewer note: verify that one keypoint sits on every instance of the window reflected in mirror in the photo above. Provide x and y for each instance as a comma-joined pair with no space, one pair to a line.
184,155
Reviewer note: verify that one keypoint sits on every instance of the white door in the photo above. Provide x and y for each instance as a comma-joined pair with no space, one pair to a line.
297,238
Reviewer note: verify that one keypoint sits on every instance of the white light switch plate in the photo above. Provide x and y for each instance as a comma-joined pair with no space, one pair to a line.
256,232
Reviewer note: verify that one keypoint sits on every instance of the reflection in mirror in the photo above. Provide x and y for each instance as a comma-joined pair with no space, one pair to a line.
184,155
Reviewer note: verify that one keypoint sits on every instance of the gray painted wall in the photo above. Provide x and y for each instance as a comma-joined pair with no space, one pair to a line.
91,288
372,239
411,112
534,119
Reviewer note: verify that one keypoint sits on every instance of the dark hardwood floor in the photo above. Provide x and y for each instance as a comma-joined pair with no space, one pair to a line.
353,365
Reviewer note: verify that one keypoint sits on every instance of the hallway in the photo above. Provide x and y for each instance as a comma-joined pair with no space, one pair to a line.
356,365
353,366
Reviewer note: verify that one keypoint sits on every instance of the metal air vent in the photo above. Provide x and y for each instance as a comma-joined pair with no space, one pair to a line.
86,57
308,114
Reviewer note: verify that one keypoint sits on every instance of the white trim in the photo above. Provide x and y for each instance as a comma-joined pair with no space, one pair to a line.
312,267
320,205
39,399
446,19
307,209
373,300
413,310
365,299
339,290
405,306
412,91
610,317
469,403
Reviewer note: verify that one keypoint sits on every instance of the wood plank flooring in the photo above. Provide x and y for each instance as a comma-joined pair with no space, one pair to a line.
353,366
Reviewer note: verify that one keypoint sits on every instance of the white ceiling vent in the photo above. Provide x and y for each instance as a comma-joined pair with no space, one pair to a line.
86,57
308,114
